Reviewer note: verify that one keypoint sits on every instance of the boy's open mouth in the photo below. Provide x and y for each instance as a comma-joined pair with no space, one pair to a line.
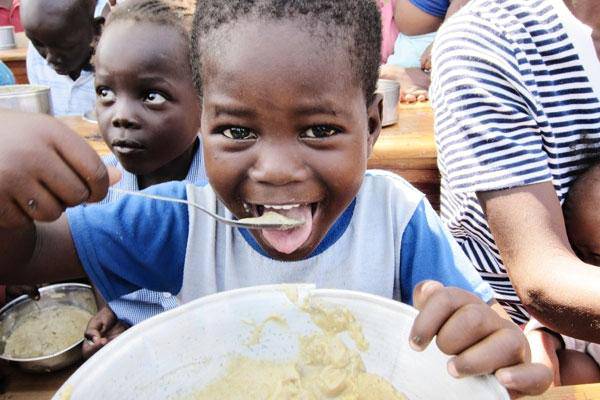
287,242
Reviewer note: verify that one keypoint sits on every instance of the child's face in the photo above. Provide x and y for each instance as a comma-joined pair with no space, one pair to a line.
583,225
285,123
64,41
147,108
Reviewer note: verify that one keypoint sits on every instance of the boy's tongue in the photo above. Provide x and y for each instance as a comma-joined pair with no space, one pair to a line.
289,241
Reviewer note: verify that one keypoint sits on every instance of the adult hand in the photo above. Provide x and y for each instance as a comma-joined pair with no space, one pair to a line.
102,328
479,339
44,168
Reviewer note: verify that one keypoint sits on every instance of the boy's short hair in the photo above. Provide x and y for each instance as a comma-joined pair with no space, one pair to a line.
356,22
176,13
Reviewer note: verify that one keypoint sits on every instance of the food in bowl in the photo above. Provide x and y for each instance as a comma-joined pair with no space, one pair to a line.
325,368
46,332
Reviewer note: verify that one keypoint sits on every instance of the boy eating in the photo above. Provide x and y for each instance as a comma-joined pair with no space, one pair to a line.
286,133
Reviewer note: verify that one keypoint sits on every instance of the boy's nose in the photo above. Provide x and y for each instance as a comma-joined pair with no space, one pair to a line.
123,116
278,165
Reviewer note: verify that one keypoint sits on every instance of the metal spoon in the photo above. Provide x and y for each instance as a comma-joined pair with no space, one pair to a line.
269,220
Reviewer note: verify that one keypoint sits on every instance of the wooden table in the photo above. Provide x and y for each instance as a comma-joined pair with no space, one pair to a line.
24,386
406,148
15,60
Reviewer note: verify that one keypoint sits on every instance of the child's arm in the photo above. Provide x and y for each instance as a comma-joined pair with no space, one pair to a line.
528,227
44,168
481,341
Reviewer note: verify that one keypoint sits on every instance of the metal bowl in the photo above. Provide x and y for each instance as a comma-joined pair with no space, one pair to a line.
391,95
72,294
28,98
7,38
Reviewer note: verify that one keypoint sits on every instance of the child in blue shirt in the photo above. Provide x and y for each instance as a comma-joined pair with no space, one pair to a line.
149,116
291,134
415,23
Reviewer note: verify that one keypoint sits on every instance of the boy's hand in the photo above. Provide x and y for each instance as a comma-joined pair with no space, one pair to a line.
44,168
482,341
544,347
102,328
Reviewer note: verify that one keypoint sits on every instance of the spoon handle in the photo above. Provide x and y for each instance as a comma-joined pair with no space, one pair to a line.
237,223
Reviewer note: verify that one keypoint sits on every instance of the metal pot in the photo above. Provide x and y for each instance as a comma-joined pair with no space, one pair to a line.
391,95
72,294
28,98
7,38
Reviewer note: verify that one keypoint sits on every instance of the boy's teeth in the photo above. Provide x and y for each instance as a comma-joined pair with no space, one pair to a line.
282,207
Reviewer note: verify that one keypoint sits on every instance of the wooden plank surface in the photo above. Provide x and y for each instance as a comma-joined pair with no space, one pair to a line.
25,386
408,144
406,148
16,54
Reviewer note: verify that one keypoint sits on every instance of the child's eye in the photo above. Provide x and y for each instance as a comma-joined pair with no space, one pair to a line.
320,131
105,94
238,133
155,98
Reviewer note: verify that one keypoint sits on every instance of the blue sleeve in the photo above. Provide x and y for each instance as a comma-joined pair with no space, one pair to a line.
428,251
134,242
437,8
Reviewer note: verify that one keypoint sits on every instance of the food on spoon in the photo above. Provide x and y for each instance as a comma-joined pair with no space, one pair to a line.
273,218
46,331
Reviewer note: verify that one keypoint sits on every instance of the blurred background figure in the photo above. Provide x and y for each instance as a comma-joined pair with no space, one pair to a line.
9,14
63,34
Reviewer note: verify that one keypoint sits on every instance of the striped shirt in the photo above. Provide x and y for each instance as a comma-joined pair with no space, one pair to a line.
515,89
135,307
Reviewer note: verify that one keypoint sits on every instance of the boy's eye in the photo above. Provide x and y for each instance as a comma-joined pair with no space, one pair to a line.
320,131
238,133
155,98
105,94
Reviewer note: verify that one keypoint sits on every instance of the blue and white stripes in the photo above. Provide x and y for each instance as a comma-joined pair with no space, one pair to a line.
514,105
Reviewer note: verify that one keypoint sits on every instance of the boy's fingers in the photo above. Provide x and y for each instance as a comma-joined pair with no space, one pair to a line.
11,215
476,318
38,203
65,183
437,304
85,162
423,292
525,379
504,347
114,176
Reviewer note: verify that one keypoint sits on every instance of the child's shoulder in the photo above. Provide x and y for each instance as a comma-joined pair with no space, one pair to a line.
384,186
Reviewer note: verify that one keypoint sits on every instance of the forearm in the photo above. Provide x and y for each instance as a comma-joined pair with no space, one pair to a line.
563,296
39,253
16,250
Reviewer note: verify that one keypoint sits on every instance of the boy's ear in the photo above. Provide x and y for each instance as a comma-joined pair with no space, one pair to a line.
375,115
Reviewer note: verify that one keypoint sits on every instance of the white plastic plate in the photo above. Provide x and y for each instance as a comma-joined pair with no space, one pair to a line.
181,351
